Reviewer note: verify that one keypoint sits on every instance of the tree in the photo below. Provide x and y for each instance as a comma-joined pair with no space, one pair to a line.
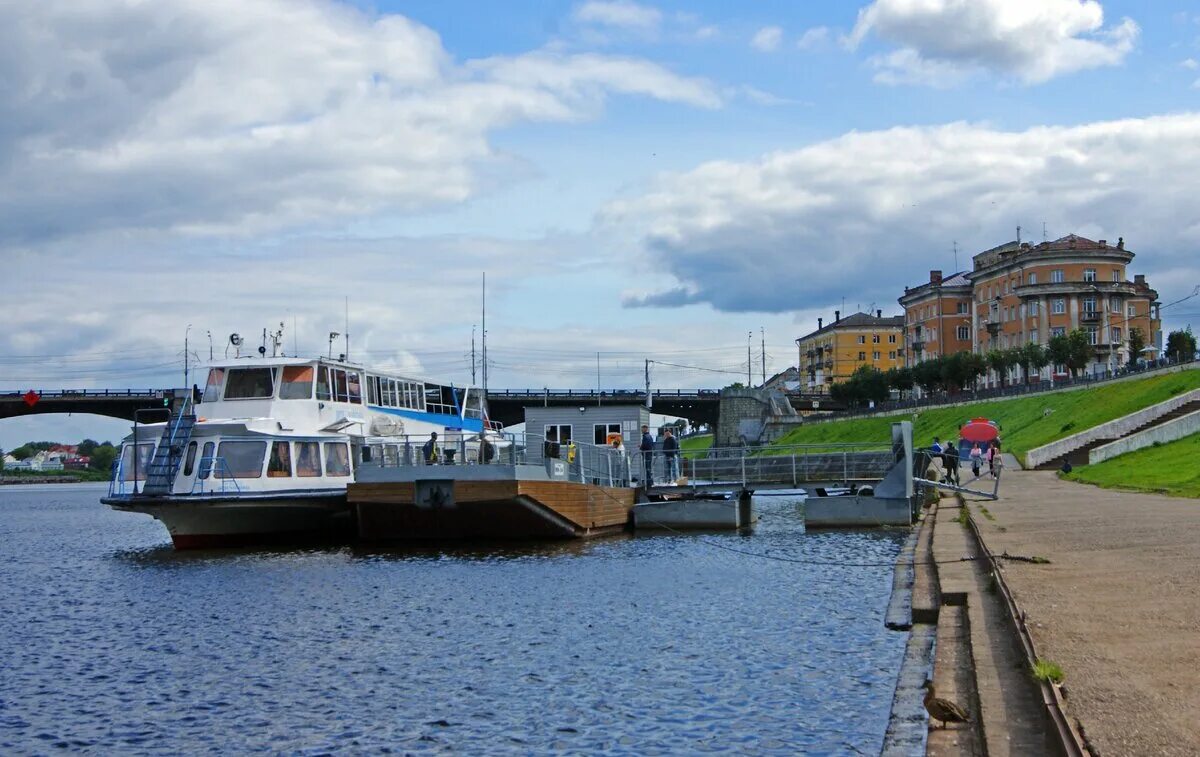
900,379
102,457
86,447
1137,343
1034,358
928,374
870,384
1181,345
1058,349
1080,351
997,360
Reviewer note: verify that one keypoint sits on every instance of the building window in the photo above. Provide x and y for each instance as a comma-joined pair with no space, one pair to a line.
1033,308
862,356
1114,305
1093,335
1117,274
1132,310
1032,278
1058,306
862,338
1089,304
964,333
558,433
892,355
875,355
1058,331
1116,334
1056,276
1033,336
933,335
1022,309
875,338
962,308
603,433
891,338
1089,274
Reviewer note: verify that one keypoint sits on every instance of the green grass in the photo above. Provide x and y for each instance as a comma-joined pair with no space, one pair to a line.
1047,672
1025,422
1164,468
696,444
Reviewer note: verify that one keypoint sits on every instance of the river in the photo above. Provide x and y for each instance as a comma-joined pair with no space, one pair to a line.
112,642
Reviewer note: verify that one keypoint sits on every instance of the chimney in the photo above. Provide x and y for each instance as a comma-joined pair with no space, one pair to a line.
820,323
1120,243
878,313
837,316
1139,279
1103,244
935,277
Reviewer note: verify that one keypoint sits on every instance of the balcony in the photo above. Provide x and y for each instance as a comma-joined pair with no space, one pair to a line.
917,346
993,327
1091,316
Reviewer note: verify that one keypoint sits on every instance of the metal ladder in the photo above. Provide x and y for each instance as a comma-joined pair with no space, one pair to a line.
168,456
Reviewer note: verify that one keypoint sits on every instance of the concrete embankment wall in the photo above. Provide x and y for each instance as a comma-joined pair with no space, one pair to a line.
1114,429
1167,432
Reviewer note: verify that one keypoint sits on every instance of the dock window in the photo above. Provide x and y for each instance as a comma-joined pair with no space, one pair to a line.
297,382
558,433
241,459
206,459
189,462
308,459
250,383
212,390
337,459
323,392
280,465
130,471
603,433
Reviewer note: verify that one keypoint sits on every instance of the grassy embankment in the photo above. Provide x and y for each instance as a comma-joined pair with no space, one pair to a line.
77,475
1164,469
695,444
1025,422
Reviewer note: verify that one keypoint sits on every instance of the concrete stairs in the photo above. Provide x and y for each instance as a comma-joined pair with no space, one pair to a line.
1080,455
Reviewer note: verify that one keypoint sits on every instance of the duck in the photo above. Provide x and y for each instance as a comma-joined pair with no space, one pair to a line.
943,709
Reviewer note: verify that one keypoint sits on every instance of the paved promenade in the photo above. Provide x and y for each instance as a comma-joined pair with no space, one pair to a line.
1118,607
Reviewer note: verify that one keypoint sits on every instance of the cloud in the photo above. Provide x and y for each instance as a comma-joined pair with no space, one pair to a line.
815,38
619,13
867,213
767,39
244,116
942,42
1190,64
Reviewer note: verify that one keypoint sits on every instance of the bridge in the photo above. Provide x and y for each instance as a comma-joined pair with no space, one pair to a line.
504,405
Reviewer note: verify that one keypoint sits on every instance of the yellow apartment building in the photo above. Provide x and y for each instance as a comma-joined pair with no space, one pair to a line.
834,351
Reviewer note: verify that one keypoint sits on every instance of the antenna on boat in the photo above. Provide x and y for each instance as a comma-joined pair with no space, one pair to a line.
484,336
472,355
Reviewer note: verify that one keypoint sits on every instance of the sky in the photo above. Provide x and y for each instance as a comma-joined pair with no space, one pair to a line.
639,181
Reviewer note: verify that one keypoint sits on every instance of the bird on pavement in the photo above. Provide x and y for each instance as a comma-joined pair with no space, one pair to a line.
943,709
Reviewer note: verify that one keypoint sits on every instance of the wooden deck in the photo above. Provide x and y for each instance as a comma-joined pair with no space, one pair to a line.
505,509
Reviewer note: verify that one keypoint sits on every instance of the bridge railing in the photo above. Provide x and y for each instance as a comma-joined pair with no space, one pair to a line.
86,393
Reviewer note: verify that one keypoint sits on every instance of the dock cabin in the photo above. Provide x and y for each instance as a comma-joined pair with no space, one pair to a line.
593,425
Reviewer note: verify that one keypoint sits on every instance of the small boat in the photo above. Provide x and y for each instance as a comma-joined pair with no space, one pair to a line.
266,452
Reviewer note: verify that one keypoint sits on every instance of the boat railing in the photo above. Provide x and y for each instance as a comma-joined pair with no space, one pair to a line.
212,469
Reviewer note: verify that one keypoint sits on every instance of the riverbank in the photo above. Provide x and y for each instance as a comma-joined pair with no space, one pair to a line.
1162,469
67,477
1117,605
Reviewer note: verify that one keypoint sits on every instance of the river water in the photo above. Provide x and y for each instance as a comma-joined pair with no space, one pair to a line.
112,642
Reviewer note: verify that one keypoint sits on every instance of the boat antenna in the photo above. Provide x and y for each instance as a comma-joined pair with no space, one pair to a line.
472,355
483,315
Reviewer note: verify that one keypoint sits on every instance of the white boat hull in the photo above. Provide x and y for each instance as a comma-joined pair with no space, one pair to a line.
196,522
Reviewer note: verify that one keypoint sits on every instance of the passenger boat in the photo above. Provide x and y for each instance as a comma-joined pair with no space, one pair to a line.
266,452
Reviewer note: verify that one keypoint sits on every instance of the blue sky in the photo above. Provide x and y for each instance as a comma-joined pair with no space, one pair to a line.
231,165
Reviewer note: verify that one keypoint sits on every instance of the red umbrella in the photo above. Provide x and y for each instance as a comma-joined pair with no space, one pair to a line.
979,430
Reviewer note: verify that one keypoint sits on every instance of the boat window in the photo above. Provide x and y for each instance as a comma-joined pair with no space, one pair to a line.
206,459
337,459
418,396
280,465
297,382
189,462
372,390
440,399
472,405
354,383
250,383
367,453
212,390
323,392
340,393
241,459
391,454
308,459
145,453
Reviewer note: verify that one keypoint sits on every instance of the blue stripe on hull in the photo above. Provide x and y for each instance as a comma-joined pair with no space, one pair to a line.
442,419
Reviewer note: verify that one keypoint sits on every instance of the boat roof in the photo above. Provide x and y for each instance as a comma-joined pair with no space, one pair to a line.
254,361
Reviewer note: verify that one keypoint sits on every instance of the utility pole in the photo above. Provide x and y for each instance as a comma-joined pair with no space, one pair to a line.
749,362
649,404
763,332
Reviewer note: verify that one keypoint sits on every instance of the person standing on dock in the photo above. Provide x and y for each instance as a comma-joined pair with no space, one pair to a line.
671,455
430,450
647,448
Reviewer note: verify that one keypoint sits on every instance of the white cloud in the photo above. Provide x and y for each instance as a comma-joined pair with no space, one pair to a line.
220,116
815,38
944,41
865,214
619,13
1190,64
767,39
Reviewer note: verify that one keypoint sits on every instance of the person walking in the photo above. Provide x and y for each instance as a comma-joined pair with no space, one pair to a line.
976,455
994,462
951,459
647,449
670,447
430,450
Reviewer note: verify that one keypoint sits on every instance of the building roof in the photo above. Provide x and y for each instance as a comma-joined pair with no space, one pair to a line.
859,321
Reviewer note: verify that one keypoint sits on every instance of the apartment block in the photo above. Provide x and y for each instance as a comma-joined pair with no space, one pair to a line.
834,351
